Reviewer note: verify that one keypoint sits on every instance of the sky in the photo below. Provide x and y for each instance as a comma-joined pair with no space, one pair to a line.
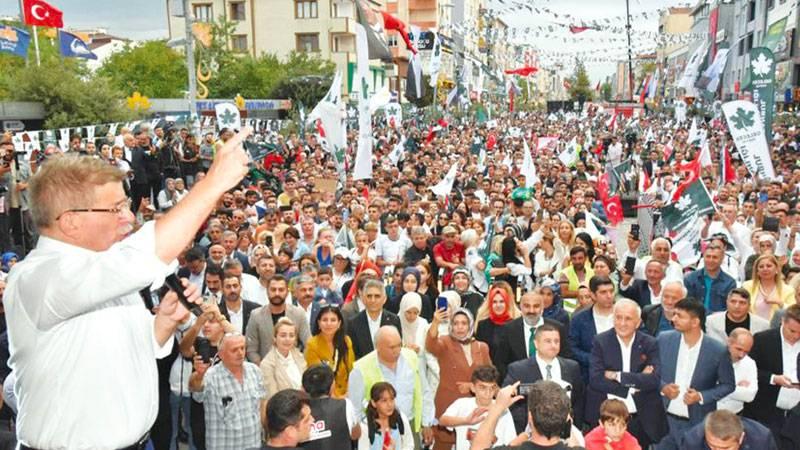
147,20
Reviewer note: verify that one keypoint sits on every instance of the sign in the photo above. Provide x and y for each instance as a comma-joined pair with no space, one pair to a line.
425,40
13,125
762,79
744,124
249,105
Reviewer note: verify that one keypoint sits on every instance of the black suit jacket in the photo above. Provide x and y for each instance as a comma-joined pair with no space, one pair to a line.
183,272
513,345
527,371
607,355
651,318
767,352
638,292
358,330
247,308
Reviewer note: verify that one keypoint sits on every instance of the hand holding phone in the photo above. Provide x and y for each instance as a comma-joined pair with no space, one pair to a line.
630,265
441,303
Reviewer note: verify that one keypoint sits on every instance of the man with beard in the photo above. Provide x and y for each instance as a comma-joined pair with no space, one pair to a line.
233,307
259,330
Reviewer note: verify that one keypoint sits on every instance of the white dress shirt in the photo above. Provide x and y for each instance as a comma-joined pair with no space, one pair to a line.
655,299
198,279
526,330
744,370
555,369
626,367
788,398
252,290
602,323
684,370
74,317
374,325
237,318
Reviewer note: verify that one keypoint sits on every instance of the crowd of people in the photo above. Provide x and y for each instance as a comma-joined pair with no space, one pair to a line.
376,315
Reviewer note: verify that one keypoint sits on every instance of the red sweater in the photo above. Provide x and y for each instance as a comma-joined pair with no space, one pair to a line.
596,440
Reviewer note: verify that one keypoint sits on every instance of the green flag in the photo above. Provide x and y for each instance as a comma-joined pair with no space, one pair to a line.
693,204
762,76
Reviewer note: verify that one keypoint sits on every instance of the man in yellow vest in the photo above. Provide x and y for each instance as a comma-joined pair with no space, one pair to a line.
400,366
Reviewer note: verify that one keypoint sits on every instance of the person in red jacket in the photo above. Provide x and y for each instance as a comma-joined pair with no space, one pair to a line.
612,433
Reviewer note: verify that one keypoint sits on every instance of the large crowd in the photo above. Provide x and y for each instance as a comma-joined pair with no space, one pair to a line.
377,315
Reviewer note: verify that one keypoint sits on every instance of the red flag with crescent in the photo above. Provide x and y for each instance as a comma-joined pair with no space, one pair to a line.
42,14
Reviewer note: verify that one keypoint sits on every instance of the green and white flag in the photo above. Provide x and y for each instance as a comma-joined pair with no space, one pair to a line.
570,154
744,124
329,117
443,188
363,165
227,116
762,81
528,167
394,115
683,217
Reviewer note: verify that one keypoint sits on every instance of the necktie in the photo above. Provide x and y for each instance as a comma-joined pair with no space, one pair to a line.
549,369
531,343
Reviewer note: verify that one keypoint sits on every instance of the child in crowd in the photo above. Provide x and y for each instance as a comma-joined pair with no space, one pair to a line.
612,433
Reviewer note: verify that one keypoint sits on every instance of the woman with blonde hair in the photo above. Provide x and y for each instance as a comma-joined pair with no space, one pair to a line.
767,289
284,365
565,237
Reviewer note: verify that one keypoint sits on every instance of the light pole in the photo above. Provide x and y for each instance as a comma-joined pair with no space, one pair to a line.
189,49
630,49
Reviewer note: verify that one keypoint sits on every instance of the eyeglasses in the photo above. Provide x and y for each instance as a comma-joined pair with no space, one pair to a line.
120,208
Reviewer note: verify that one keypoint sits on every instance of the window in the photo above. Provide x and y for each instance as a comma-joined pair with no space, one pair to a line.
237,11
751,11
203,13
741,46
391,40
239,42
770,4
308,42
749,43
306,9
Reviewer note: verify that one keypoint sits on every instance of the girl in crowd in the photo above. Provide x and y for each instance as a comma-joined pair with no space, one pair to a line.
331,346
385,427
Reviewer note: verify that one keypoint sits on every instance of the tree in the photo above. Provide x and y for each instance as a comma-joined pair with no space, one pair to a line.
153,69
580,86
248,76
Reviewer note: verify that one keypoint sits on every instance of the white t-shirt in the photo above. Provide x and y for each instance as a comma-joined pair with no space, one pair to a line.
463,407
391,251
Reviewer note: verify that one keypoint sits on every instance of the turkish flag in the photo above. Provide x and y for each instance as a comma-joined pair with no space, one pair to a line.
613,207
603,186
691,171
391,22
574,29
522,71
491,141
39,13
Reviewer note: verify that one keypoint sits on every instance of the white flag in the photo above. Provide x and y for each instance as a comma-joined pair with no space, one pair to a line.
528,167
227,116
705,155
394,115
379,99
436,60
363,164
397,152
693,68
443,188
744,124
694,133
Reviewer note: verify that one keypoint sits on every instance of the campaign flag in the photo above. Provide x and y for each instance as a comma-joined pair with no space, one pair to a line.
435,63
73,47
744,124
227,116
443,188
363,163
394,114
682,216
692,70
710,79
43,14
375,31
397,152
528,167
14,40
762,76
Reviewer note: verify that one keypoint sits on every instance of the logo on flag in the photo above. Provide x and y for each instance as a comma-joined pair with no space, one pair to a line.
73,47
227,116
14,41
39,13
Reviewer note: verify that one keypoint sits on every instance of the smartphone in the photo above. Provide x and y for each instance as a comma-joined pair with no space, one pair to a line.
635,230
268,241
175,285
203,348
524,388
763,197
630,265
770,224
441,303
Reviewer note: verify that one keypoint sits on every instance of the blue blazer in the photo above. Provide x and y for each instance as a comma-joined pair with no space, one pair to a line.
607,355
720,287
581,336
713,375
756,437
639,292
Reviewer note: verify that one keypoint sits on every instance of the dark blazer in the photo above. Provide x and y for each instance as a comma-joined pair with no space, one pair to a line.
527,371
607,355
581,336
242,258
315,306
638,292
247,308
767,352
512,343
183,272
651,318
139,158
756,437
358,330
713,375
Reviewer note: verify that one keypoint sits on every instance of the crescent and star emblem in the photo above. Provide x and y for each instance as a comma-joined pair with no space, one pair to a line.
36,16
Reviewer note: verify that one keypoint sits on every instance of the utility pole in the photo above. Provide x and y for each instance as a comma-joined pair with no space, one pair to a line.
190,66
630,49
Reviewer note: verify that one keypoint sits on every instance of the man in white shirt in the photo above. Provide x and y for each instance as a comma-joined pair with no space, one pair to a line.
251,288
391,247
75,301
660,250
466,414
744,369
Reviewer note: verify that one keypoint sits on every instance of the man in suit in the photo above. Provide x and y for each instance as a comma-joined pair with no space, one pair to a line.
195,268
517,337
213,283
229,241
644,292
545,364
259,330
711,274
736,315
725,430
590,322
363,328
658,318
696,371
625,364
233,307
775,352
303,297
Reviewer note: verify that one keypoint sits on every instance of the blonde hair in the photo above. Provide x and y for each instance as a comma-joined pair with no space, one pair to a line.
284,321
67,183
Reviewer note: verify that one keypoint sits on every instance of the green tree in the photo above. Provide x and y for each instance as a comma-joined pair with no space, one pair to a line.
153,69
69,98
248,76
580,85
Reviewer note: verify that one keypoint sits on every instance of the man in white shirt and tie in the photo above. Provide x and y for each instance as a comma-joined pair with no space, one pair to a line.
744,369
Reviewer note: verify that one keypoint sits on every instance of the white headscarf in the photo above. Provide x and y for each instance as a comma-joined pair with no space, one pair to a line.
410,300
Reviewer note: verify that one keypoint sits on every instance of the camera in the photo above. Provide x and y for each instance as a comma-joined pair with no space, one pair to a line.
203,348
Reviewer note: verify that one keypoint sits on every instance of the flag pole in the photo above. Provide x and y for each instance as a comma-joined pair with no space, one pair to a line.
36,45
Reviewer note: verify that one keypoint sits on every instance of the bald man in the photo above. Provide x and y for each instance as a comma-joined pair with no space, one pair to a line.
393,363
744,370
658,318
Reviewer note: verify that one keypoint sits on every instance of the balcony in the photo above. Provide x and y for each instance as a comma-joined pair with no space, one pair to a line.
341,25
421,4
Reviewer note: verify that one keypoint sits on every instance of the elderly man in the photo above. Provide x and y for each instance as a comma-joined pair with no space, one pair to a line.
625,364
233,397
648,291
660,250
64,310
725,430
363,328
303,297
744,369
393,363
658,318
736,315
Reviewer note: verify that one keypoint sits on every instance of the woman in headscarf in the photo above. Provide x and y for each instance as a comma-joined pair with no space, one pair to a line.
414,326
8,261
410,280
552,303
498,309
458,354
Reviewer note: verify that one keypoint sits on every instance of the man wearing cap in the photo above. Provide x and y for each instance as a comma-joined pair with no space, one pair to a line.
449,254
